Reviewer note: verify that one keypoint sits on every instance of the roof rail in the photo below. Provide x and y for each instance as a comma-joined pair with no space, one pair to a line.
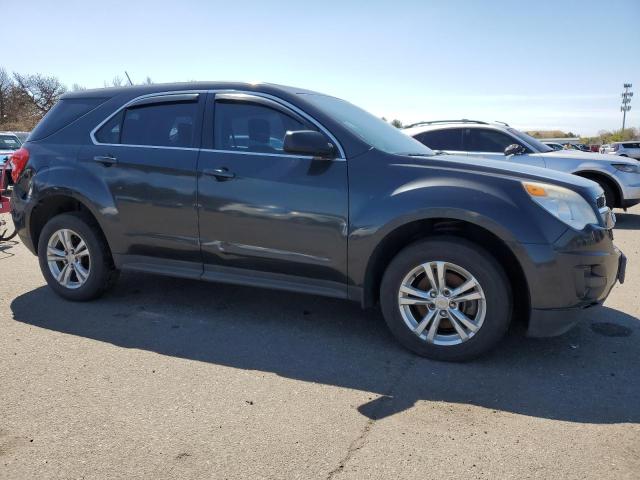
462,120
502,123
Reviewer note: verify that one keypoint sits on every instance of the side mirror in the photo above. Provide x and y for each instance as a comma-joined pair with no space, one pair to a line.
308,142
514,149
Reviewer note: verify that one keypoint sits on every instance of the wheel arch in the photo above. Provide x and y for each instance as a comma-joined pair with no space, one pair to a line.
596,175
408,233
53,204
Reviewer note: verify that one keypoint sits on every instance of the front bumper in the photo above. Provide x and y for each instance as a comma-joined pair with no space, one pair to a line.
575,273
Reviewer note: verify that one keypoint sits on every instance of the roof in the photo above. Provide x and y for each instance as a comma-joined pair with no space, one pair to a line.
168,87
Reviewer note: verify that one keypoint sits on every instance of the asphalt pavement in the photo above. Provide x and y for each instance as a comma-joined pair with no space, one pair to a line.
166,378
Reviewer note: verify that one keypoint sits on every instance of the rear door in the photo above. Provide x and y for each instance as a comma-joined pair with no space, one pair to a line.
270,216
147,154
491,143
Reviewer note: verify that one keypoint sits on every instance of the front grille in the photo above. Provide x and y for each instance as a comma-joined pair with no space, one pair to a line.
601,201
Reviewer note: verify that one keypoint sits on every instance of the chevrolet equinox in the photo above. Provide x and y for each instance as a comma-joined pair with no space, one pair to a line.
278,187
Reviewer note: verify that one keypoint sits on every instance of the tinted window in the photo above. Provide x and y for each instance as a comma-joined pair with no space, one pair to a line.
250,127
445,139
485,140
631,145
161,124
110,131
63,113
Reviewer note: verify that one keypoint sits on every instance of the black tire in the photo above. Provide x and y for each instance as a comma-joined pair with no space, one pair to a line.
102,274
609,193
477,262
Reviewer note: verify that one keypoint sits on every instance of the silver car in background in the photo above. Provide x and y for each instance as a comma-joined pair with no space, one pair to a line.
626,149
619,177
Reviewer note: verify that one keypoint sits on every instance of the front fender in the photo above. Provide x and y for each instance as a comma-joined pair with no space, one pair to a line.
495,203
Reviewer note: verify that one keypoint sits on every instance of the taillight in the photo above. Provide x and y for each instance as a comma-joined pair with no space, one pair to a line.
18,161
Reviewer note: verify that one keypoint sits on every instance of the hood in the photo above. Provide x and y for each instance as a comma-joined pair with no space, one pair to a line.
589,156
515,171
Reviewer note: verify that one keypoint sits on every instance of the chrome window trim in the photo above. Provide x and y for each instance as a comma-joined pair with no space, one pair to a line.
342,157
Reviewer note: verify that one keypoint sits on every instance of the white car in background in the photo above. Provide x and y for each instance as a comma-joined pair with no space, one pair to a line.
606,148
618,177
626,149
9,143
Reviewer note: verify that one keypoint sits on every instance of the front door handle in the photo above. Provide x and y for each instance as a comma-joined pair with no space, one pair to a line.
106,160
220,173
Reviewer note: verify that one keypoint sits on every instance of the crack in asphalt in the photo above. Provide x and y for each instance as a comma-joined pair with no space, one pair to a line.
361,439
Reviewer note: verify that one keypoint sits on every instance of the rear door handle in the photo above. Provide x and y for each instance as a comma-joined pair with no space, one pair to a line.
106,160
219,173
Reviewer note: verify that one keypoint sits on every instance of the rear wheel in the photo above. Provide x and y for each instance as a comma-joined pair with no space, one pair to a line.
446,299
74,257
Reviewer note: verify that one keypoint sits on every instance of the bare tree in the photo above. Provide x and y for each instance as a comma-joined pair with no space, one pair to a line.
396,123
6,85
76,87
43,91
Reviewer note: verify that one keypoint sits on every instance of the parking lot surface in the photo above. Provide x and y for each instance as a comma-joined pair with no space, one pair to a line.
166,378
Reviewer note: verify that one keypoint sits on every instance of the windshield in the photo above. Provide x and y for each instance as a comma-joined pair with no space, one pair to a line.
372,130
9,142
537,145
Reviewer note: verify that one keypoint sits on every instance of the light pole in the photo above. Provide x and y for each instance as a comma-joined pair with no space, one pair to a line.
626,100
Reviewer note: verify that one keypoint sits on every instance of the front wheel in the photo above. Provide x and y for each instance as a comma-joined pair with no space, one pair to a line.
446,299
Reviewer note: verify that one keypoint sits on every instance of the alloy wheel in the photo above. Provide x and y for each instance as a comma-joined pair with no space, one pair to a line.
68,258
442,303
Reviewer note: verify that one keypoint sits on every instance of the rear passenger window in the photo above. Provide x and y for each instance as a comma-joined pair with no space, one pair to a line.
250,127
160,125
110,131
485,140
446,139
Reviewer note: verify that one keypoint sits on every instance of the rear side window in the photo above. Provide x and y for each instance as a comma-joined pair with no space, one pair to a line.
631,145
251,127
485,140
445,139
160,125
63,113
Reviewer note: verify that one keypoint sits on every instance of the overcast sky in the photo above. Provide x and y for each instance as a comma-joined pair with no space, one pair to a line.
536,65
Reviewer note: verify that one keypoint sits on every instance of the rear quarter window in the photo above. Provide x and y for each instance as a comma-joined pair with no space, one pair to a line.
63,113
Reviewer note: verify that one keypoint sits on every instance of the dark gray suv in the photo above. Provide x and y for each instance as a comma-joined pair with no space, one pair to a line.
278,187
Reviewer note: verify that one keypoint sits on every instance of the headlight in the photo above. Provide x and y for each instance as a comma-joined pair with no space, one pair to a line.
562,203
624,167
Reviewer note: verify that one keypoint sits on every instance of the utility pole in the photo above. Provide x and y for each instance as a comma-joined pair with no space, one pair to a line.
626,100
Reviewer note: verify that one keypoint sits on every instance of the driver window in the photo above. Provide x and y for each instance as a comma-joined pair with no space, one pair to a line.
250,127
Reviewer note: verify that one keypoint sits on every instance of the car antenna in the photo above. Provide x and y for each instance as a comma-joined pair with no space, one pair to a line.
128,78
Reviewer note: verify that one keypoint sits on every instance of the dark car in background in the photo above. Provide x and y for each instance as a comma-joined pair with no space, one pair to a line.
278,187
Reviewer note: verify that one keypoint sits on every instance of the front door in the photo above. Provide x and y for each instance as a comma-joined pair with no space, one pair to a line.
270,217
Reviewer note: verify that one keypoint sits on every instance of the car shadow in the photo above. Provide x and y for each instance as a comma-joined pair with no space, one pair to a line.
588,375
5,248
627,221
